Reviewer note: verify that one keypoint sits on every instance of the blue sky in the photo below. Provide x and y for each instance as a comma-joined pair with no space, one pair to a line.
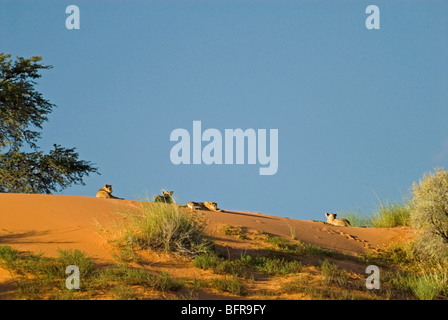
360,113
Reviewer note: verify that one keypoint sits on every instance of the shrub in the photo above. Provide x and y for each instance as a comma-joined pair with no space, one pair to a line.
165,227
430,213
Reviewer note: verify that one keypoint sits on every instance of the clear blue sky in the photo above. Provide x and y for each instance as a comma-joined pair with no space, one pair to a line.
360,112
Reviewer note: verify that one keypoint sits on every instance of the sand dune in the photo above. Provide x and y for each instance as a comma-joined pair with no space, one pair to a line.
44,223
47,222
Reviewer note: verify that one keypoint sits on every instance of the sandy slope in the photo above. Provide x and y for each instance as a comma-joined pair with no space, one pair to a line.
352,240
48,222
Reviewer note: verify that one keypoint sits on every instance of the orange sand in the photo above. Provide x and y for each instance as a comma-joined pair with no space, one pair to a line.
44,223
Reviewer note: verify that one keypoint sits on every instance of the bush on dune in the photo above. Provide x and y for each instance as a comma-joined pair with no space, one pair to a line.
165,227
430,214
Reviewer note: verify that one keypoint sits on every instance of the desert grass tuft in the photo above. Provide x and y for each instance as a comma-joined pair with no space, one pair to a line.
43,277
429,285
386,215
246,264
332,274
238,231
277,266
78,258
40,275
123,292
165,227
356,218
390,215
229,284
126,275
297,248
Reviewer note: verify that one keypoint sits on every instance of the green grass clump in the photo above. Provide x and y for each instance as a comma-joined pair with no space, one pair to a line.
283,244
219,265
246,264
356,218
411,274
22,263
44,267
9,256
43,277
207,261
78,258
123,292
387,215
238,231
167,228
229,284
277,266
390,215
126,275
293,286
297,248
429,285
332,274
126,254
426,285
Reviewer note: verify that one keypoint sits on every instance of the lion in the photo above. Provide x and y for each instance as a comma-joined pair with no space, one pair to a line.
106,192
207,205
331,219
166,197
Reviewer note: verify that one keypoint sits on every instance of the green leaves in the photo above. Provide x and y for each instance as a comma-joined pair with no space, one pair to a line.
37,172
23,110
430,213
